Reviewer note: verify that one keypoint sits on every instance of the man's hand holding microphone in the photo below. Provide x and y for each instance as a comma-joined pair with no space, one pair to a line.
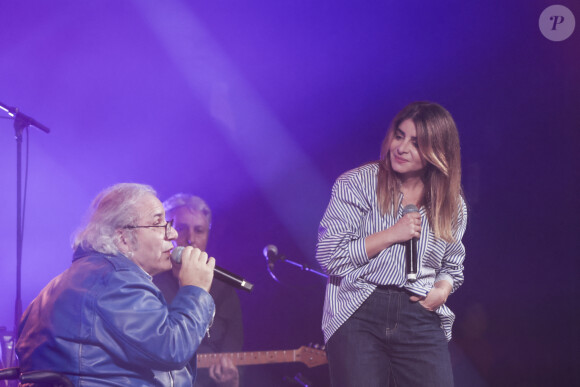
195,268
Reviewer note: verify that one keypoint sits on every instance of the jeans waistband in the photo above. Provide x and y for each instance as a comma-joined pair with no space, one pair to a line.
390,288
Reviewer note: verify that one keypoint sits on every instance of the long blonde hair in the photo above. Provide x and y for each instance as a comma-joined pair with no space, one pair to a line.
438,142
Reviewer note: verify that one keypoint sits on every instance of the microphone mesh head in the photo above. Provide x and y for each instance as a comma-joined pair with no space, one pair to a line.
270,249
176,254
410,208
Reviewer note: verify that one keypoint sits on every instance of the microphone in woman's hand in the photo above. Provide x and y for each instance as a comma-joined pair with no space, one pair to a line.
411,256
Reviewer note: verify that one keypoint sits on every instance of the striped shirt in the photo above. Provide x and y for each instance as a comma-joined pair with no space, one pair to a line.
352,215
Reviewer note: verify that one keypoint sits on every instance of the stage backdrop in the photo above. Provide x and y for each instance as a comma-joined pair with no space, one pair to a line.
259,106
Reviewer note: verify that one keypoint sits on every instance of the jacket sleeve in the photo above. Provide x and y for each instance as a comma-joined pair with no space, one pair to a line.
341,243
137,327
452,262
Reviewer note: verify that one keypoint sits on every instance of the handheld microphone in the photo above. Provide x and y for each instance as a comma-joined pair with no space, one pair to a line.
220,273
411,255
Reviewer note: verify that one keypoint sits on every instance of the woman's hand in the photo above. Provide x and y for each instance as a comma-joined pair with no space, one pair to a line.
406,228
225,373
436,297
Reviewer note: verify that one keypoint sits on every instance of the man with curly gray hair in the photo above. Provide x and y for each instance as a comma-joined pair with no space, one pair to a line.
103,321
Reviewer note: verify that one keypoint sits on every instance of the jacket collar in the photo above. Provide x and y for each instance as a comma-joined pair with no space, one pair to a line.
119,261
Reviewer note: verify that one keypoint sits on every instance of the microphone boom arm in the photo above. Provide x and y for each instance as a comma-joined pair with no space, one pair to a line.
305,268
272,256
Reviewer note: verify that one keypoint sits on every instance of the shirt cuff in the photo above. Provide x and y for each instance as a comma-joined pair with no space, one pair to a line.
445,277
358,252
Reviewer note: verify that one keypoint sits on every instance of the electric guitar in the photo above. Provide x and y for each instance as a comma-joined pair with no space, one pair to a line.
312,357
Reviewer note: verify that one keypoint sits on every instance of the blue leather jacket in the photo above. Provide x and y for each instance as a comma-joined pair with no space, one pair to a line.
103,322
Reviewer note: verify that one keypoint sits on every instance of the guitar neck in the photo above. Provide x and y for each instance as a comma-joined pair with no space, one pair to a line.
205,360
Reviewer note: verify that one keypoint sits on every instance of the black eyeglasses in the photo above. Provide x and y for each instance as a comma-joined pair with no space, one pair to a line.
167,226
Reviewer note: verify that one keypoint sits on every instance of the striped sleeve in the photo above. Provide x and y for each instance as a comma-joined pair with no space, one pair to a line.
452,261
341,243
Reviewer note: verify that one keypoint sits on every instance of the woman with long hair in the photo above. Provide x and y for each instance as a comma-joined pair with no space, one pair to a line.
382,321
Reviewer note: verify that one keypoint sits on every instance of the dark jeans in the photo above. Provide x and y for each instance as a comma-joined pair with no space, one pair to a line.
390,338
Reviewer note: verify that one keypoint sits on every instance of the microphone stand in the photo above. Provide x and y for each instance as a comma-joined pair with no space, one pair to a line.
283,258
21,122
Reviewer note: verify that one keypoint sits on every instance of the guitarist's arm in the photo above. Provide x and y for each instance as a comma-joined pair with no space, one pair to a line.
225,335
234,334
